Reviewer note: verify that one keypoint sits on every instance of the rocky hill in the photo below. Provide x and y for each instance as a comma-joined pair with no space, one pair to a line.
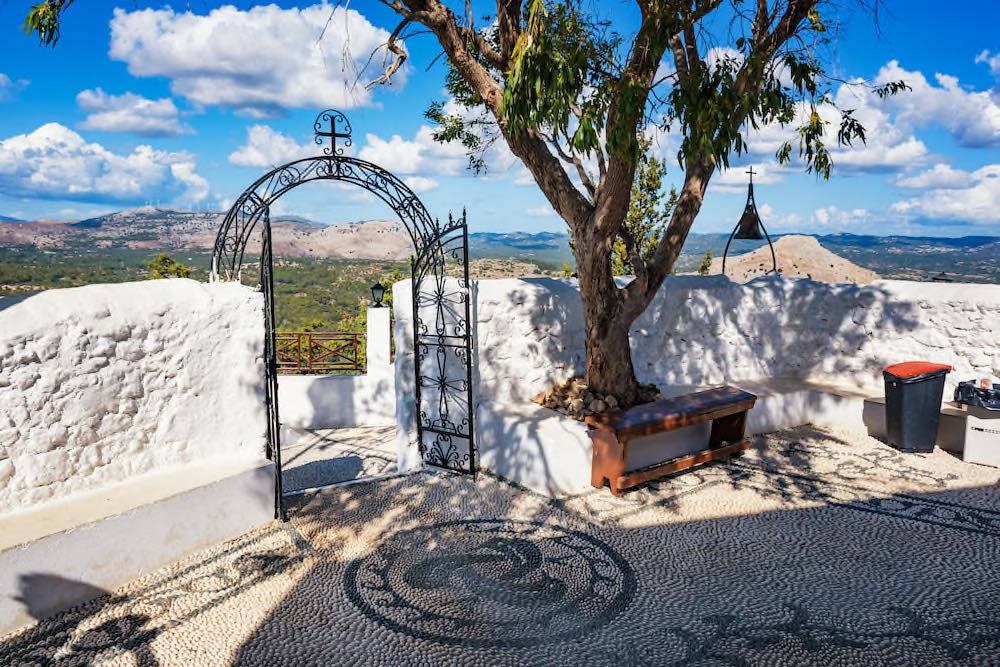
964,259
372,239
797,257
151,228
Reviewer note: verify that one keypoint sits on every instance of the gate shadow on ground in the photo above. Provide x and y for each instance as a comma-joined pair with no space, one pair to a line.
40,593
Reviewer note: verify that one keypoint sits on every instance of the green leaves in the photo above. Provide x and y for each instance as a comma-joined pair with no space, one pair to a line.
45,19
557,75
165,266
453,127
568,65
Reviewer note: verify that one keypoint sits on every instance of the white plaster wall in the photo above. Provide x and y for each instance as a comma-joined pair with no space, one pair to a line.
337,401
705,330
708,330
407,456
104,382
786,340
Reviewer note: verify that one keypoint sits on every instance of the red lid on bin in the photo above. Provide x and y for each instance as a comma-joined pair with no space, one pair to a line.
909,369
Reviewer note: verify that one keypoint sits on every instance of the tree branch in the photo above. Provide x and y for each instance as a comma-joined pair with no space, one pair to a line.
632,249
509,29
660,28
391,46
574,159
571,204
699,169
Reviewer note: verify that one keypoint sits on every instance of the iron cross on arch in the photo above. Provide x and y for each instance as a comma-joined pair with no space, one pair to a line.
332,119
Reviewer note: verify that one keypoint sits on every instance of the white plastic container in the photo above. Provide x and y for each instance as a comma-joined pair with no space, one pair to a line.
982,437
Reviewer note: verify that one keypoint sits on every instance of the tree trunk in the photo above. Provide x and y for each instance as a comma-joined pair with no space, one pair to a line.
609,356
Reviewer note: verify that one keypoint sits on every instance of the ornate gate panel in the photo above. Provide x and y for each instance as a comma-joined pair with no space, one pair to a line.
443,350
442,338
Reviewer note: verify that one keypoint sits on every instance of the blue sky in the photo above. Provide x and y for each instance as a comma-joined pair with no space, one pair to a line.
151,104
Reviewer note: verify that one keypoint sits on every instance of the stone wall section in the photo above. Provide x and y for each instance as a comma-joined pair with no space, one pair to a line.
708,330
105,382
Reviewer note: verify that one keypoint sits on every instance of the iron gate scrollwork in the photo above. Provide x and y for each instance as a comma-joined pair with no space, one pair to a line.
442,339
442,345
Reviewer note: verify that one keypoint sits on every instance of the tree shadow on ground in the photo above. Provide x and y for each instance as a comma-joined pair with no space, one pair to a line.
795,574
75,638
751,570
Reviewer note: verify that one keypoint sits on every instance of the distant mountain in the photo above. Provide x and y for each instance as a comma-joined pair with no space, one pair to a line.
546,248
4,218
966,259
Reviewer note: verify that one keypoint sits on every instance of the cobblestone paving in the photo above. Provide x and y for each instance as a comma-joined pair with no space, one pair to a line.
813,549
327,456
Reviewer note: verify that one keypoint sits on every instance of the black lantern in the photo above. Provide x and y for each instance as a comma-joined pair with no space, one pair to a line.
378,292
749,228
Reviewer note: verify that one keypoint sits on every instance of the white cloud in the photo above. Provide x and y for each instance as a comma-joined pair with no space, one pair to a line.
971,117
524,177
420,183
421,155
540,211
259,61
978,201
939,176
888,146
54,162
266,147
9,87
735,179
836,218
992,60
775,221
130,113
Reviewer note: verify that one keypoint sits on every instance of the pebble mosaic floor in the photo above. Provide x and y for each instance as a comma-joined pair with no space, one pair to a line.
814,548
330,456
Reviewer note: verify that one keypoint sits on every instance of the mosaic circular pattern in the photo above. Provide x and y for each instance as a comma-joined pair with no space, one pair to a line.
485,583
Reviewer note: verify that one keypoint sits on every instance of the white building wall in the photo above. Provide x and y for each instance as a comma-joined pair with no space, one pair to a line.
705,330
708,330
101,383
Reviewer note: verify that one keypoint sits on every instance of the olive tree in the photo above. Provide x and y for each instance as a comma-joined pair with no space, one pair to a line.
573,97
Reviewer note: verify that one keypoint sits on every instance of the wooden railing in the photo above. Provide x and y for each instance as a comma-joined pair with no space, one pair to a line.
320,351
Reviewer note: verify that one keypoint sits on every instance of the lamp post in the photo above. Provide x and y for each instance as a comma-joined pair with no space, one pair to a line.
378,293
750,227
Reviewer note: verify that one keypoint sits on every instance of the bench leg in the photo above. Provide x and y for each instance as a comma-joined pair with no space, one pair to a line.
608,463
729,429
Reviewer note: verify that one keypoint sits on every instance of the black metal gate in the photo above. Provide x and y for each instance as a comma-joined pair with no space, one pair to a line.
442,345
442,337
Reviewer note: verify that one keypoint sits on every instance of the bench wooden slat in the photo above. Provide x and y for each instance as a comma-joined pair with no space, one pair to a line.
668,414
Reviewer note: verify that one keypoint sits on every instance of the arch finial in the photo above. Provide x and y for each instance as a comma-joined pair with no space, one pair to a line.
331,125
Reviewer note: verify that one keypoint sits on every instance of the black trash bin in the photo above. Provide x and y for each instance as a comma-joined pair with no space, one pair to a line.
913,392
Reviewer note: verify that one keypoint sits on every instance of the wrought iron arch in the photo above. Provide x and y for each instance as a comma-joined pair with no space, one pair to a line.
439,267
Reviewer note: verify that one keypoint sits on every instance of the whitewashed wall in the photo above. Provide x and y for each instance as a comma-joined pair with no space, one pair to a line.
104,382
704,330
344,401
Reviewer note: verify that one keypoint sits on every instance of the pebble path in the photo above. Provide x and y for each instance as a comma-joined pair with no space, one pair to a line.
815,548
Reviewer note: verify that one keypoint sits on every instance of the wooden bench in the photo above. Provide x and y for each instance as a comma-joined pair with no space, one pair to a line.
726,407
